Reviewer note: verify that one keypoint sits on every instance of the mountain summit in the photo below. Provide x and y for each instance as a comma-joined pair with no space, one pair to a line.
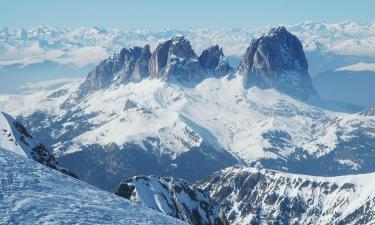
130,64
172,60
277,60
175,58
274,60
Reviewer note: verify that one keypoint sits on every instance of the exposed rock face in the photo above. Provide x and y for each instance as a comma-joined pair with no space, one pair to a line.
174,197
213,60
15,137
175,59
172,60
141,65
277,60
259,196
128,65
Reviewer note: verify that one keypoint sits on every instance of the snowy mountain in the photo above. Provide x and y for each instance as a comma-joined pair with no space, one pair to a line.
15,138
259,196
34,194
174,197
189,128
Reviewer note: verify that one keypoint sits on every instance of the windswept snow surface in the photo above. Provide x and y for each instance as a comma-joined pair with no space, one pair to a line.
34,194
9,137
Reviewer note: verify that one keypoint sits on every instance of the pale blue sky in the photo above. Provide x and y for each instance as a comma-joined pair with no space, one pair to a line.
180,14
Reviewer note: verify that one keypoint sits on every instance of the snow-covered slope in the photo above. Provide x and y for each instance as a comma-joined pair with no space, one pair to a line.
34,194
259,196
174,197
15,138
168,121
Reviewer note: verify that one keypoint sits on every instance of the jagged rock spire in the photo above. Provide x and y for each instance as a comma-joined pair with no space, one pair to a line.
175,58
276,60
213,60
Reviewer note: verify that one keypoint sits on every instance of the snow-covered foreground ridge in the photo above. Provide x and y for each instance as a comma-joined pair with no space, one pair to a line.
16,138
83,46
34,194
259,196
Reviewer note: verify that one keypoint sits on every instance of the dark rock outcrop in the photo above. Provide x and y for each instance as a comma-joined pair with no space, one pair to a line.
213,61
141,65
174,197
175,59
277,60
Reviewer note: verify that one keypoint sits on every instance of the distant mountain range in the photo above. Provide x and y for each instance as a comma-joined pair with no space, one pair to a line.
62,45
45,53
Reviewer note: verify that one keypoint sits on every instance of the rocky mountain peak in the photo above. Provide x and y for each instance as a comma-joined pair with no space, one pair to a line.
213,60
141,66
176,59
274,60
277,60
130,64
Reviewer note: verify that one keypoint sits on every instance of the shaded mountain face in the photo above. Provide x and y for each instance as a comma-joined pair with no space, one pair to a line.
105,166
277,60
16,138
259,196
174,197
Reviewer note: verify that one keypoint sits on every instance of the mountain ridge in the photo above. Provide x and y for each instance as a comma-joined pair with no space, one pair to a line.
261,196
275,61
